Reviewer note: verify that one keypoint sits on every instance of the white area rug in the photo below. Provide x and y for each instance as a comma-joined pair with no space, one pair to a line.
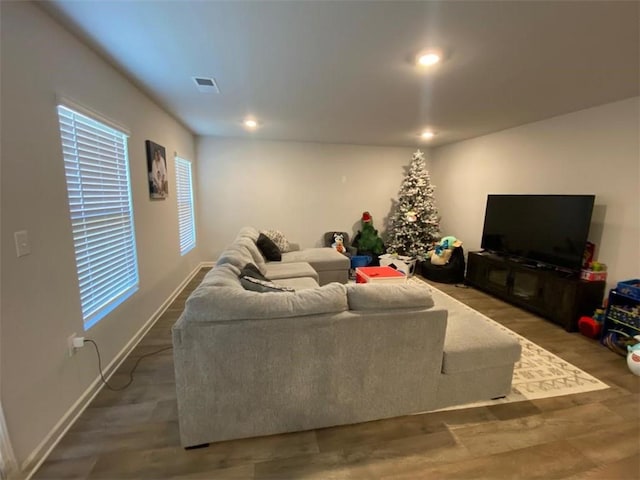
538,374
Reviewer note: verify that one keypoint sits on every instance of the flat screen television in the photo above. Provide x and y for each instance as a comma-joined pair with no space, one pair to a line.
550,230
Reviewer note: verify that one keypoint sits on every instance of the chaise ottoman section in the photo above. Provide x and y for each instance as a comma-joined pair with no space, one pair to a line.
330,265
472,341
478,358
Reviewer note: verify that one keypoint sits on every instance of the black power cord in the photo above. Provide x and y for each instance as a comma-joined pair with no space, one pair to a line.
95,345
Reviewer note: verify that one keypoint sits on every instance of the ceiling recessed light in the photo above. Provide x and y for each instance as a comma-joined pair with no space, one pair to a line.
428,58
250,123
427,135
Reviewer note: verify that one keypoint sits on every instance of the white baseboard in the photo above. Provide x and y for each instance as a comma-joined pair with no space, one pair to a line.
8,463
42,451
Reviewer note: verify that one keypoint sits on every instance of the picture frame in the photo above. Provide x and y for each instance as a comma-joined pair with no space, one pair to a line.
157,171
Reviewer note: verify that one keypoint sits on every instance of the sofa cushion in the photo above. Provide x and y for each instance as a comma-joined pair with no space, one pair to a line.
298,283
279,239
376,296
214,304
321,259
268,249
259,285
278,270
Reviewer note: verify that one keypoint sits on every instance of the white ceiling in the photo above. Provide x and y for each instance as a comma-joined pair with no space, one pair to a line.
342,71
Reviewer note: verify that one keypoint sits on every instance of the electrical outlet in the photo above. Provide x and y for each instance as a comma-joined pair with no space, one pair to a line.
71,350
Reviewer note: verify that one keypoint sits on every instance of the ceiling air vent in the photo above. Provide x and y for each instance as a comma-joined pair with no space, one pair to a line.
206,85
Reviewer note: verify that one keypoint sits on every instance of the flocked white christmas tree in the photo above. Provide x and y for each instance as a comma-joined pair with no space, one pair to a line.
414,224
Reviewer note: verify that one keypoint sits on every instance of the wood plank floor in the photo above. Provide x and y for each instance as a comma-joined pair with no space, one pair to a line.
595,435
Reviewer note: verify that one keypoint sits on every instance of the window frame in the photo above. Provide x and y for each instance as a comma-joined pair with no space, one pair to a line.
187,239
98,182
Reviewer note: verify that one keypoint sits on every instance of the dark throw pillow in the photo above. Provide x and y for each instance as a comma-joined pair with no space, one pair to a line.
257,285
251,270
269,250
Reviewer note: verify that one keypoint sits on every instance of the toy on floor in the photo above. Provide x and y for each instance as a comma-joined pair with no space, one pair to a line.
592,326
633,356
618,341
402,263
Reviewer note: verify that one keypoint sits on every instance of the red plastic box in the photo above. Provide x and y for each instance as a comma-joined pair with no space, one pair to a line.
379,274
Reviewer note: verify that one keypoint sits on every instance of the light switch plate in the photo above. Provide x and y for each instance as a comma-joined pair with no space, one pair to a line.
23,247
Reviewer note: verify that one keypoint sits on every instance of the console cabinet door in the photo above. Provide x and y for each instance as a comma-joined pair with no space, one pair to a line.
559,297
498,278
527,286
492,276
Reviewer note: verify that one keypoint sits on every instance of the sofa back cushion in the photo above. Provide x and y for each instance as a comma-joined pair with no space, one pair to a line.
213,304
225,275
249,246
377,296
248,232
234,256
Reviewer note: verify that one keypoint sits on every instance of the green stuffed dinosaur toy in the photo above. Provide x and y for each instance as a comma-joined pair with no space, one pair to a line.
367,239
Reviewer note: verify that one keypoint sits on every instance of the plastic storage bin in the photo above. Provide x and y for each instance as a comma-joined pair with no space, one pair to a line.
360,261
402,263
630,288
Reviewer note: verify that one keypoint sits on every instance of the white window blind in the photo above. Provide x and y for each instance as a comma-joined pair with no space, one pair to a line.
186,221
98,187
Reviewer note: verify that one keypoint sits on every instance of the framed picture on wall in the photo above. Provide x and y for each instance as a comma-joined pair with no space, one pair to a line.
157,171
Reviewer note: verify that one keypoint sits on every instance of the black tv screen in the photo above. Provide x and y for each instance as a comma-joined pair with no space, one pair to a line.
546,229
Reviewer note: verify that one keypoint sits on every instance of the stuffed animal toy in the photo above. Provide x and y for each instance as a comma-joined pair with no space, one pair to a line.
441,259
367,239
633,356
338,243
442,251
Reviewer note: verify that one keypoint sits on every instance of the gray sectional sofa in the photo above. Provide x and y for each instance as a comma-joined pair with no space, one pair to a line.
250,364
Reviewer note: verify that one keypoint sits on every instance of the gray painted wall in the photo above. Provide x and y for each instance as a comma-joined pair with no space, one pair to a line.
40,301
301,189
593,151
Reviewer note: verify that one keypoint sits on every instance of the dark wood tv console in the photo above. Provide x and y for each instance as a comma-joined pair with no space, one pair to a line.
556,295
